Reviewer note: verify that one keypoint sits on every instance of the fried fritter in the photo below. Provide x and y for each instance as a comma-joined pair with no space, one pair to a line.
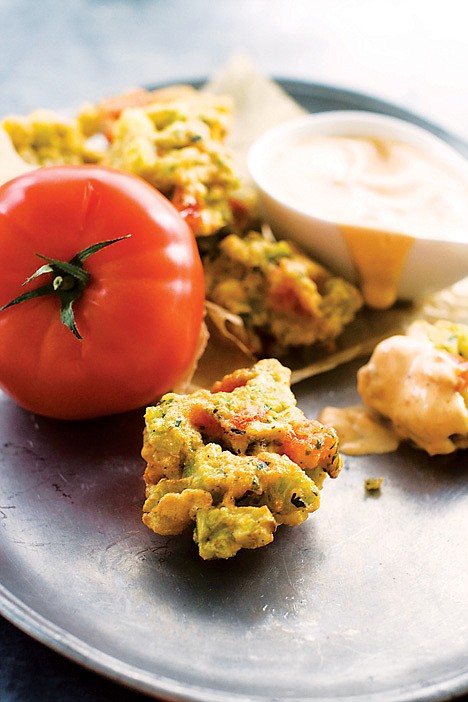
44,138
419,381
237,461
173,138
284,298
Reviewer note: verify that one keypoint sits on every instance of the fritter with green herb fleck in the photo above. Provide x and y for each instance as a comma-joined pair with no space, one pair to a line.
284,298
174,139
236,461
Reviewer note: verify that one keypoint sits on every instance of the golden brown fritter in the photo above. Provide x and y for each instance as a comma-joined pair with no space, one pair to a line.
173,138
237,460
44,138
179,147
284,297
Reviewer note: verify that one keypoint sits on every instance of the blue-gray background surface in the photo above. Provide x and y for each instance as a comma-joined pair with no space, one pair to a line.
413,52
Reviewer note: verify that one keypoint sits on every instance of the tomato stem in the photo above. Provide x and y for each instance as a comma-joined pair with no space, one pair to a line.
68,281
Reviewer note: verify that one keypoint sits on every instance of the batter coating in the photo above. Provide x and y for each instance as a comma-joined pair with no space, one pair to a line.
236,461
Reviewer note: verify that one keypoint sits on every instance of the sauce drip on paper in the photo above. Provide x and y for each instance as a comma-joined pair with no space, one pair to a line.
360,430
379,258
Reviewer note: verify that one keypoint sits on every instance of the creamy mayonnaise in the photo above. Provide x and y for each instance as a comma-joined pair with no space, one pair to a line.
381,193
377,183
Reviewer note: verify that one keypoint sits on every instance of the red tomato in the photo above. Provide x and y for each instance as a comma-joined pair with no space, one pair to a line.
139,315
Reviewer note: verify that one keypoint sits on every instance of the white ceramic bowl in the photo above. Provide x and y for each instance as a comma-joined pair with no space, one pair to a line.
429,265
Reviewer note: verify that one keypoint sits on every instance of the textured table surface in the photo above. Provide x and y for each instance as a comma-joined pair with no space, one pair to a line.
58,54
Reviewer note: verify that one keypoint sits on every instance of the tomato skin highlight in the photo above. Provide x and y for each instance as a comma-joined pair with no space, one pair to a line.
140,315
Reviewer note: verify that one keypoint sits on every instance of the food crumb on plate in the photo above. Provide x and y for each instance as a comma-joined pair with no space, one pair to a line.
373,484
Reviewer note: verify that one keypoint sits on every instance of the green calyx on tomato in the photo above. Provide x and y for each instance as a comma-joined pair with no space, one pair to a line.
69,280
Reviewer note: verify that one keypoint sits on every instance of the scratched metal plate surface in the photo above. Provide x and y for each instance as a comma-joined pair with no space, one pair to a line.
368,600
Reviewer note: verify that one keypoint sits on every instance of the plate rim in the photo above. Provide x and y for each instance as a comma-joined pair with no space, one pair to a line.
139,680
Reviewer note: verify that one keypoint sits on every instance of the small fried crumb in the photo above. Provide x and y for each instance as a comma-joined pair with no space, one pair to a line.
373,484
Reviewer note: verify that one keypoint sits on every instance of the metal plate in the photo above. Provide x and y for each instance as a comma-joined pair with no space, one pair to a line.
366,600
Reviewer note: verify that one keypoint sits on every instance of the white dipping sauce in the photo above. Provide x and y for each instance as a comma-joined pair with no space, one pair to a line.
378,183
